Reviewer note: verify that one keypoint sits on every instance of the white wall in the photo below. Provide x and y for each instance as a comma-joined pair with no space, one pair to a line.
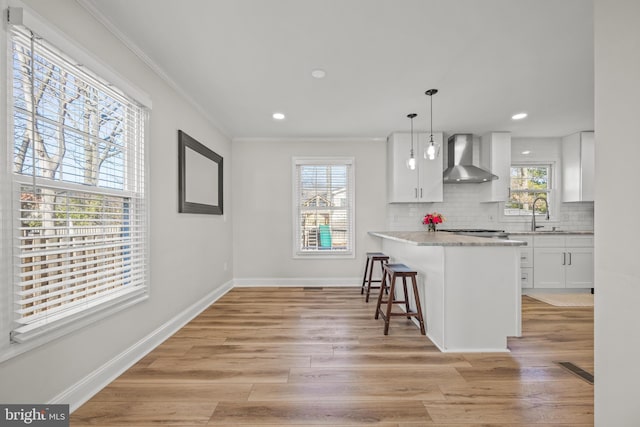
617,226
262,197
463,206
187,251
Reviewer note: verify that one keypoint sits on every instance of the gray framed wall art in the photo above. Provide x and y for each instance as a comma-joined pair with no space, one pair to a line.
200,178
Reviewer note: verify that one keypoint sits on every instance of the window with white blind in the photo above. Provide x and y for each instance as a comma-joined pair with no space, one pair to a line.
323,207
78,191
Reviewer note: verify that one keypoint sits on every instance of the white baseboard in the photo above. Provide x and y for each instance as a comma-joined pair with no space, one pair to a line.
298,282
476,350
90,385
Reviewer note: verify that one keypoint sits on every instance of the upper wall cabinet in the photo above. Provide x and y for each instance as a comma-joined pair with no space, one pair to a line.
578,159
495,156
422,184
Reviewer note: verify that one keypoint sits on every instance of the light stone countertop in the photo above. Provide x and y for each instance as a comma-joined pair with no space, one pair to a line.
426,238
549,233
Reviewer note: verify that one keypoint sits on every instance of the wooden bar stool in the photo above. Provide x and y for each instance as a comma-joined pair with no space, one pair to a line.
372,257
393,271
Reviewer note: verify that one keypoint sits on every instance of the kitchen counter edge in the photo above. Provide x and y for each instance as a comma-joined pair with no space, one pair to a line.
426,238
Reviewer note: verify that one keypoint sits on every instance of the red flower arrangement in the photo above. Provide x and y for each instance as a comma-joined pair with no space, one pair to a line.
431,219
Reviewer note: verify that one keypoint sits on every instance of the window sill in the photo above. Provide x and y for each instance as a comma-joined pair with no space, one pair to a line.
11,350
324,255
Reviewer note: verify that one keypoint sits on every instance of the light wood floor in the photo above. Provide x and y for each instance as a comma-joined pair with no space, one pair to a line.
296,356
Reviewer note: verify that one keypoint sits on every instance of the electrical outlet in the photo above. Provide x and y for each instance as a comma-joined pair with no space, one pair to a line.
224,266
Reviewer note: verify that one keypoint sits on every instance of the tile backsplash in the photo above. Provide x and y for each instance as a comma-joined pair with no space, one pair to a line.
463,208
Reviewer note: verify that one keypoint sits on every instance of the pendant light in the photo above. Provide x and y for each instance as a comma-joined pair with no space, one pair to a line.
433,149
411,163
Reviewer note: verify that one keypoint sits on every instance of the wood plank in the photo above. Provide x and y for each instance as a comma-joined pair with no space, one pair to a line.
510,412
299,337
366,375
339,425
416,390
216,362
386,360
154,391
95,413
387,344
510,373
229,350
184,373
500,391
323,413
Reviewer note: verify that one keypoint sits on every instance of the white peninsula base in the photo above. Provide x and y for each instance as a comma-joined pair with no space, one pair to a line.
470,292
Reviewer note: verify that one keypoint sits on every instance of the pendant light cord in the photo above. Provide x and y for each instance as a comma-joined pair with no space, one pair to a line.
431,111
411,116
411,135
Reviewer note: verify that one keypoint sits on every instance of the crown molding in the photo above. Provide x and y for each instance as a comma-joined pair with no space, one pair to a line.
91,7
368,139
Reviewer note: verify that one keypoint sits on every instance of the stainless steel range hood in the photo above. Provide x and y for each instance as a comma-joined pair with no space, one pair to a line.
461,168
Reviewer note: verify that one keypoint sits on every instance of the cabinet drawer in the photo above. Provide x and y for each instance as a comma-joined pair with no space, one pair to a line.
526,257
526,277
579,241
549,241
527,239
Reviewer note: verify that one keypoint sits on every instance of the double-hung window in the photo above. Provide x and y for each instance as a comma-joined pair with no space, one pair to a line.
323,208
529,182
78,191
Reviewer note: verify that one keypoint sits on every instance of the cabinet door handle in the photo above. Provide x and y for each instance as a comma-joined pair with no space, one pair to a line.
569,258
421,193
415,191
564,258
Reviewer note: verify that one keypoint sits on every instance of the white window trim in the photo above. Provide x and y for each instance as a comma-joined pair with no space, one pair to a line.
6,203
56,37
296,218
553,194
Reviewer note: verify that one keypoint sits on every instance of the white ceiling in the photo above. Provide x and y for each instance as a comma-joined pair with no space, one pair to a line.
242,60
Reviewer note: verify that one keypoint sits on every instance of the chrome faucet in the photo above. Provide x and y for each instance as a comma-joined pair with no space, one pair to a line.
533,213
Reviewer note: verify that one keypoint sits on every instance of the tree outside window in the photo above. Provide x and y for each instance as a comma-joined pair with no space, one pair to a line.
527,184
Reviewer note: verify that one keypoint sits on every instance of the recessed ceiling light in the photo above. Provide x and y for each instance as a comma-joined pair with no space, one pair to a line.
519,116
278,116
525,152
318,73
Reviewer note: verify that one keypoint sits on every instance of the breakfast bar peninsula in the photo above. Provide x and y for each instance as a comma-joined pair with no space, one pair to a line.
469,286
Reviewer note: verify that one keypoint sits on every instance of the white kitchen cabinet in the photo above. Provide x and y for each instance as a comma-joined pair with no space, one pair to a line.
578,160
495,156
549,268
579,271
424,183
563,261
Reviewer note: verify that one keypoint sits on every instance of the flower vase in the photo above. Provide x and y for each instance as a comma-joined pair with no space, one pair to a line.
431,227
